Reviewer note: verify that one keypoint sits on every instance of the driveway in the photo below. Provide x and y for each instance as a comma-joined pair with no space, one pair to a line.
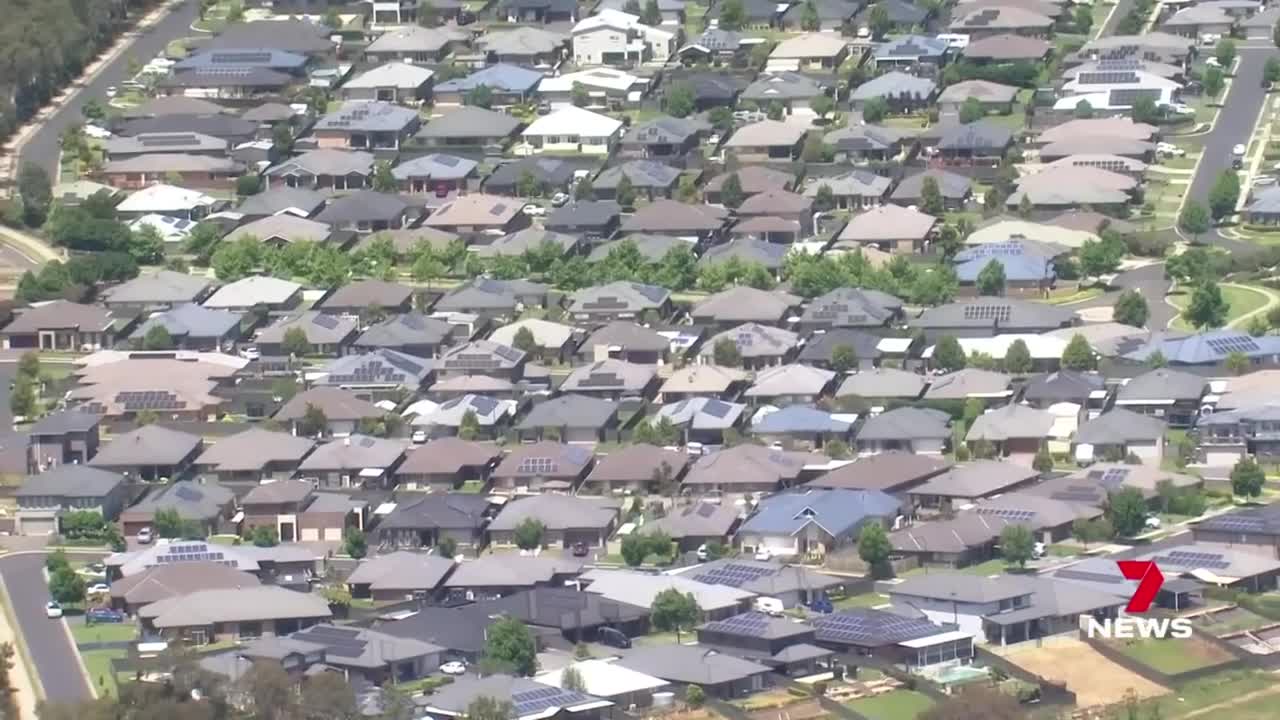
42,147
50,646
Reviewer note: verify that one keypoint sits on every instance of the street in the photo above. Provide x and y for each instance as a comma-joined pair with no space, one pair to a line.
42,147
1148,280
48,643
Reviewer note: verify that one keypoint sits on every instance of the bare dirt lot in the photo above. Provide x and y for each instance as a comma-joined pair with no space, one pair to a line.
1094,679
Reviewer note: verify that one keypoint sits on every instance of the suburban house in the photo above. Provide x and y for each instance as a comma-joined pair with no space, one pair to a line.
566,519
811,523
44,498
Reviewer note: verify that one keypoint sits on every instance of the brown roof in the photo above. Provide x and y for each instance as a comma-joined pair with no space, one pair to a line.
1090,221
367,293
546,459
335,403
638,463
773,202
671,215
280,491
253,449
886,471
1008,47
60,314
166,581
750,465
447,456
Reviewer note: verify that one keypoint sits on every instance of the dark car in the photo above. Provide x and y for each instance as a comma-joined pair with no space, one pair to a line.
613,638
580,549
103,615
821,604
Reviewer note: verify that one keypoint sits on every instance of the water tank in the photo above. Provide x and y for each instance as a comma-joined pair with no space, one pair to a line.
663,699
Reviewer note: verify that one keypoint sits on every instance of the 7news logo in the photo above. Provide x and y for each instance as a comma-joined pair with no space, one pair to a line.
1150,579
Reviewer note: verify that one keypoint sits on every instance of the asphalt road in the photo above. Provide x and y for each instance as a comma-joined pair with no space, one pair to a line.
1234,126
42,147
50,647
1148,280
1122,9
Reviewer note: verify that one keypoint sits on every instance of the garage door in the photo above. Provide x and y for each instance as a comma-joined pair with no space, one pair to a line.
333,533
310,534
38,526
590,537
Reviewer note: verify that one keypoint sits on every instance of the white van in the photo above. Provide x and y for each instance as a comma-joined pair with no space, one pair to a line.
767,605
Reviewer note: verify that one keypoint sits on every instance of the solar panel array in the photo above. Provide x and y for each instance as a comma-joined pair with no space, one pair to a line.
537,465
734,574
338,642
1232,343
1113,478
716,408
751,623
1069,574
995,249
1010,514
186,492
1187,559
377,370
193,552
601,379
871,627
328,322
529,702
1077,493
132,400
1107,77
240,58
472,360
999,313
706,510
167,139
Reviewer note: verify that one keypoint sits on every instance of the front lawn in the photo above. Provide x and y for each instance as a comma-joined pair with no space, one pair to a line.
102,632
98,665
897,705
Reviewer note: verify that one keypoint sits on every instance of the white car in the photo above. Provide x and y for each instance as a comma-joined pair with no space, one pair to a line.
1238,150
419,436
454,667
1170,150
251,353
144,536
559,199
1181,109
864,32
111,91
763,554
98,589
1153,522
702,554
533,210
52,609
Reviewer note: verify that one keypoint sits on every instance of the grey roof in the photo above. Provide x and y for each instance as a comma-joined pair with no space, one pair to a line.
60,314
337,404
748,250
369,293
382,366
62,422
609,375
911,46
864,138
976,136
249,291
191,500
191,320
411,328
528,698
343,647
355,452
320,328
906,423
821,346
449,511
326,161
437,166
221,125
70,481
1162,384
586,213
801,420
278,492
750,465
284,227
564,608
618,297
628,336
470,122
165,143
511,570
966,383
282,197
481,355
701,413
501,77
882,383
174,105
557,512
484,293
1013,421
148,445
411,39
229,605
1265,201
570,411
895,84
755,340
1119,425
1051,597
653,248
268,112
664,131
546,459
690,664
782,86
885,471
992,312
367,116
643,174
525,240
742,303
852,307
289,35
698,520
254,449
792,379
951,185
857,183
664,215
363,206
172,580
522,42
965,531
1063,386
243,77
1208,347
979,478
983,90
401,571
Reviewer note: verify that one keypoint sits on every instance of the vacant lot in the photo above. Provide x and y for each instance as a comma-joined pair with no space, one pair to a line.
1174,656
1094,679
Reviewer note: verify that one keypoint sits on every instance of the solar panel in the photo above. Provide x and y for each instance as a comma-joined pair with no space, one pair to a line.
746,623
1114,477
706,510
1232,343
1193,560
998,313
871,627
1010,514
529,702
716,408
536,466
327,322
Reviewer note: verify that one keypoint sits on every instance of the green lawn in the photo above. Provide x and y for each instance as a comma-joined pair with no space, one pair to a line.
660,638
1240,300
990,567
1173,656
102,632
98,663
1213,690
897,705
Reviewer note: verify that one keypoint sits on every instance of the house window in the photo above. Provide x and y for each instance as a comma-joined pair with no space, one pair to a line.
249,630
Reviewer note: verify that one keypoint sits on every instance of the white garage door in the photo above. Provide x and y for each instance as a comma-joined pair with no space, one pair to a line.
333,533
310,534
38,526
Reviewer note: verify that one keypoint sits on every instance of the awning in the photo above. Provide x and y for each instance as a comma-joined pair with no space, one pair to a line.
931,640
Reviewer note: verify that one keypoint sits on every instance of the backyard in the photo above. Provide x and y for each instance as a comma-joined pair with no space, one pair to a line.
1198,697
1172,657
896,705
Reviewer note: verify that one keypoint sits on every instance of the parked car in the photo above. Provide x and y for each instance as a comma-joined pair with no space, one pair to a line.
419,436
579,549
559,199
1170,150
613,638
1181,109
97,589
822,604
763,554
251,353
767,605
144,536
702,553
533,210
104,615
52,609
453,667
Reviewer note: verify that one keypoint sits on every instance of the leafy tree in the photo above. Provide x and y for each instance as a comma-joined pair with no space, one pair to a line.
1145,110
1083,110
579,95
679,100
1017,544
1194,220
428,16
584,190
732,15
469,426
29,366
814,149
527,186
571,679
1101,257
948,355
1257,326
1083,19
1225,52
651,15
725,353
146,246
1017,359
625,193
1078,355
480,96
687,189
879,22
529,533
157,338
822,105
631,7
931,198
22,398
1127,511
824,199
36,191
991,279
874,548
875,110
809,19
383,179
295,342
247,185
1224,194
694,696
65,586
1212,82
844,358
1043,461
264,536
524,340
971,110
1237,363
313,423
1208,308
1156,360
674,611
510,643
1247,478
635,548
1131,309
731,194
1271,71
837,449
446,547
354,543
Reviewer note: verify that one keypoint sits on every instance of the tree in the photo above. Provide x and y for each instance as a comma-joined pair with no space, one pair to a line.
314,422
1156,360
529,533
731,194
1224,194
725,353
1017,544
837,449
824,199
354,543
1194,220
732,15
991,279
295,343
814,149
874,548
428,16
447,547
36,191
247,185
1212,82
1127,511
679,100
571,679
22,398
157,338
1078,355
1017,359
469,426
875,110
579,95
1237,363
631,7
328,696
1275,35
1043,461
822,105
687,189
264,536
383,179
948,355
1225,52
1083,18
625,193
1131,309
844,358
971,110
511,644
931,197
29,366
524,340
1083,110
65,586
879,22
809,19
1271,71
584,190
674,611
1145,110
694,696
480,96
1208,308
635,548
1247,478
